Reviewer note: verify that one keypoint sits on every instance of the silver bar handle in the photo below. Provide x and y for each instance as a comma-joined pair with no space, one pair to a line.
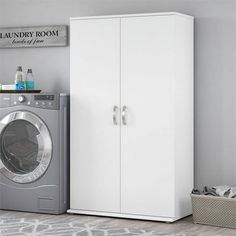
115,108
124,110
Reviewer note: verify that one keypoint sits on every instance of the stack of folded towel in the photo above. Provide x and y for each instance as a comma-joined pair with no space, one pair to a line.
218,191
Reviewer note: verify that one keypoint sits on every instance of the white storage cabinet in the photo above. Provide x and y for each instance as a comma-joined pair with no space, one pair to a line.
132,116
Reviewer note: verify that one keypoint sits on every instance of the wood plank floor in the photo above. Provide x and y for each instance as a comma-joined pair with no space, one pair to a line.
184,226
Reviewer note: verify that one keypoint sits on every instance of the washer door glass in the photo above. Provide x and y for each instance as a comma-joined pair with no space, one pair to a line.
20,147
25,147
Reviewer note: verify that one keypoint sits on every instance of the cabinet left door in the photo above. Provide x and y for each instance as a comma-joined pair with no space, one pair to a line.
95,102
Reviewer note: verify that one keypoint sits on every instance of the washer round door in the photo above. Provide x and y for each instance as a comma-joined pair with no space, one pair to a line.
25,147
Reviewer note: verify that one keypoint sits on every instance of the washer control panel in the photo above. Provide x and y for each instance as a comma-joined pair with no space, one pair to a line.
44,97
44,101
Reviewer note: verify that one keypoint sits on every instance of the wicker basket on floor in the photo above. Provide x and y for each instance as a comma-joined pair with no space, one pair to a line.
217,211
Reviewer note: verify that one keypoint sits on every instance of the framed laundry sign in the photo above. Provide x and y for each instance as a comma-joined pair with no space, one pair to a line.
38,36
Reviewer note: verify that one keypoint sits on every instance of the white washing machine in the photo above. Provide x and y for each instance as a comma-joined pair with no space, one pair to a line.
34,152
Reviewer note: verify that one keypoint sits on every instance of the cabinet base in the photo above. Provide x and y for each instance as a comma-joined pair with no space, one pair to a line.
120,215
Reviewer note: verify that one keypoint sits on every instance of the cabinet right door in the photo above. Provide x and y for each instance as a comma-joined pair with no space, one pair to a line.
147,97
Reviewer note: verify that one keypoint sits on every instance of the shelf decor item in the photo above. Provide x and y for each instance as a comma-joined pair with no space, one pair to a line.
38,36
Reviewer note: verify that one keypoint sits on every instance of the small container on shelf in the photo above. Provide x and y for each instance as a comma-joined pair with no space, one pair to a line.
19,79
29,82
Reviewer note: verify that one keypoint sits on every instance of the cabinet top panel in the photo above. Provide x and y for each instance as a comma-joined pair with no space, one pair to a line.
132,15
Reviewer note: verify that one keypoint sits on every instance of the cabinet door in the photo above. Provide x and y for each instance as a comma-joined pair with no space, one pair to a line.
147,163
95,90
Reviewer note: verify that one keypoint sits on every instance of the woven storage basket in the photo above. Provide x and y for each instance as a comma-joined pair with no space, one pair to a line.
217,211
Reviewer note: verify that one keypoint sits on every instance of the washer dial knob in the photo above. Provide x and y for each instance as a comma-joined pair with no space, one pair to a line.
21,98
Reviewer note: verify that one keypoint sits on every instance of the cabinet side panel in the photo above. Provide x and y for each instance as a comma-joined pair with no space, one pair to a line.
183,114
95,90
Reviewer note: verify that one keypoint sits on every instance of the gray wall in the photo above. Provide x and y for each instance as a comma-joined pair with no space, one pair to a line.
215,66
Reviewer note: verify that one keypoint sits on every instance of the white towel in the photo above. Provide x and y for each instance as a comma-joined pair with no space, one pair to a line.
223,190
